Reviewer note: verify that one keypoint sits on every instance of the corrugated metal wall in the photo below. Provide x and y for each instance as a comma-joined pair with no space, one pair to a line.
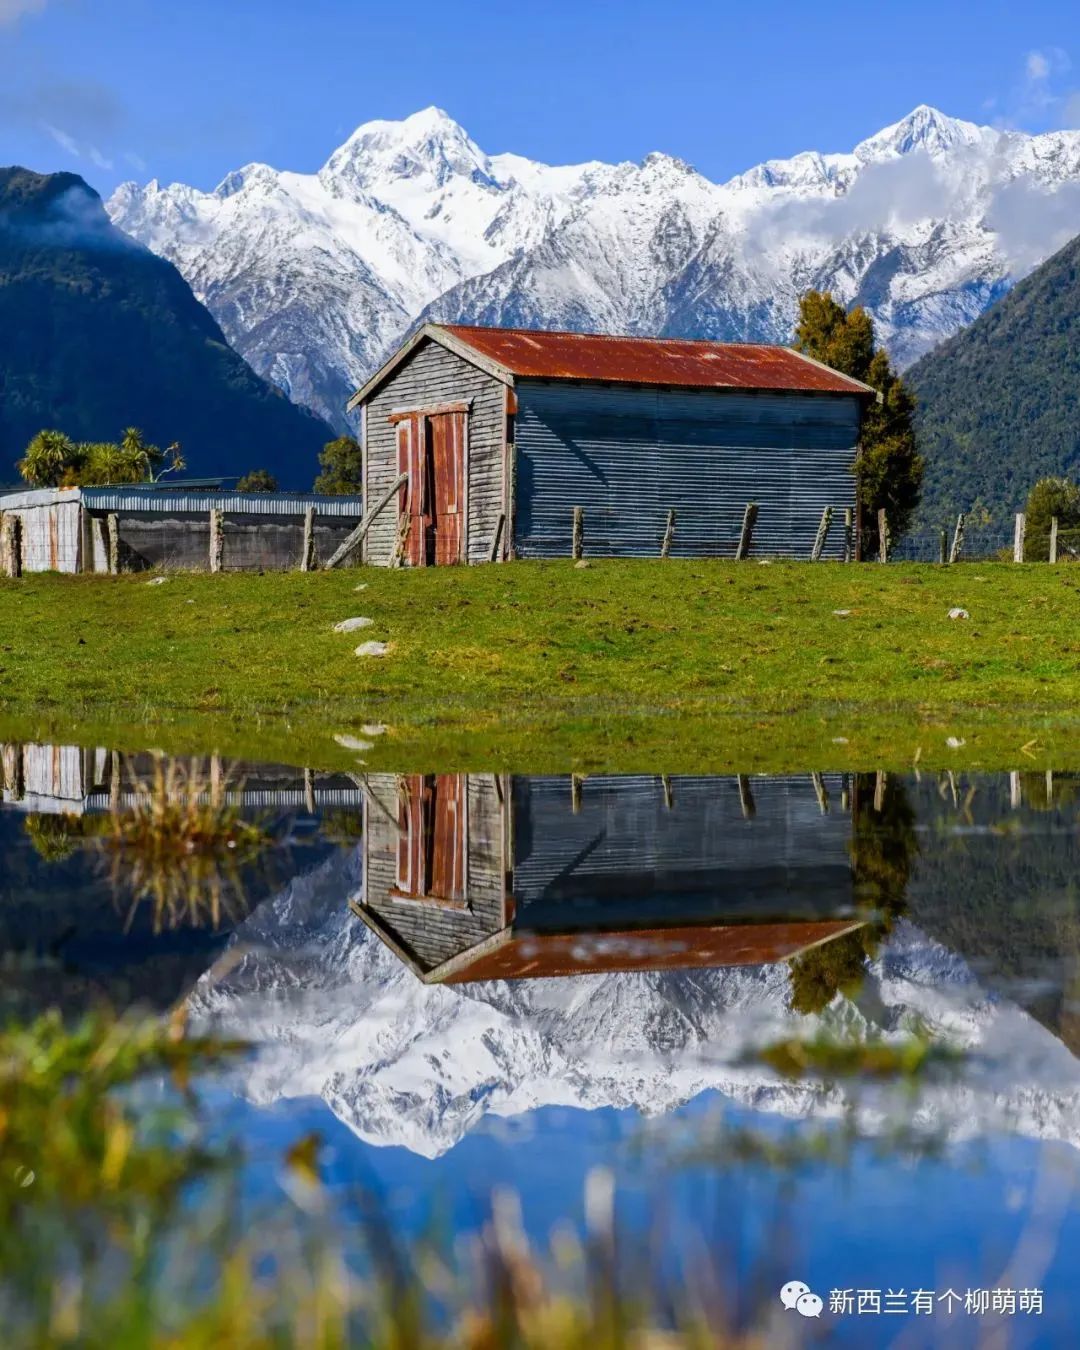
712,851
628,455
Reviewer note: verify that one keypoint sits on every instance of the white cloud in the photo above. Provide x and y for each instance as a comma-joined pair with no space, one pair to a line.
96,157
13,10
1037,66
63,140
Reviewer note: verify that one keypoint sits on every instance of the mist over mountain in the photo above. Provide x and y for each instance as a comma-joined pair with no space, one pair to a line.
314,277
98,333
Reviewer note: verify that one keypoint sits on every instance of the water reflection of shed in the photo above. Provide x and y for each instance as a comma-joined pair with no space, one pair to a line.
470,877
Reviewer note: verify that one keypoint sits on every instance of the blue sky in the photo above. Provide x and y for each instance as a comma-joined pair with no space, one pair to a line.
119,89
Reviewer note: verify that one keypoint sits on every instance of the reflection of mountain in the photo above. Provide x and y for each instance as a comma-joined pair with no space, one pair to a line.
404,1061
998,883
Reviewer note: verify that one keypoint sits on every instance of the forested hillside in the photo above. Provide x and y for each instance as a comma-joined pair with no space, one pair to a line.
999,403
97,333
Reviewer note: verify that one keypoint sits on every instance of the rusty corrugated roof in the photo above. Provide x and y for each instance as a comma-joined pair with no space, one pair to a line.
637,360
536,956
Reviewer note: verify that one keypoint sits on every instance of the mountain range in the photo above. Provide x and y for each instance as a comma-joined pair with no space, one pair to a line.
98,333
314,277
335,1014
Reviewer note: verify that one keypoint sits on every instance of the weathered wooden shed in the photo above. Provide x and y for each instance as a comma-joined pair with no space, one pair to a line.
503,432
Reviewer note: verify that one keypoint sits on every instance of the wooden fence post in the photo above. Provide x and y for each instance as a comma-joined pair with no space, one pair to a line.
943,546
883,536
11,550
578,538
1018,537
217,540
849,547
746,534
112,543
1053,538
957,539
669,534
822,534
307,556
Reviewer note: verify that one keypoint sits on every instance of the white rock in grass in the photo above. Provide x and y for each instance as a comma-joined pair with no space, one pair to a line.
373,649
351,625
157,581
353,743
958,613
374,729
955,742
841,613
362,587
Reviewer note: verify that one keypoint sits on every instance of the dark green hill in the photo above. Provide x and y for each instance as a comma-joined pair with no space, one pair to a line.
97,333
999,404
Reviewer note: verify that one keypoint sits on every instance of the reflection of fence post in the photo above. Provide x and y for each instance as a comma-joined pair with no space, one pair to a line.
746,797
822,534
1018,537
575,792
848,537
1015,795
577,540
883,536
746,534
669,534
943,546
957,539
1053,538
217,540
307,556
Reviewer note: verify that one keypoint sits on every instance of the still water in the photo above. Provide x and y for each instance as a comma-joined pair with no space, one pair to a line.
468,983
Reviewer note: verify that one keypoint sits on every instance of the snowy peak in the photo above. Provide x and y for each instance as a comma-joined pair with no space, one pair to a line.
429,149
923,129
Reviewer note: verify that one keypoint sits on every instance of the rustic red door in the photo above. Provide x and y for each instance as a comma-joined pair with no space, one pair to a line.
431,450
414,495
432,837
446,441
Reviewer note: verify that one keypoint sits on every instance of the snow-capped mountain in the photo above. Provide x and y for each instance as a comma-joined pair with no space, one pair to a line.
314,277
336,1015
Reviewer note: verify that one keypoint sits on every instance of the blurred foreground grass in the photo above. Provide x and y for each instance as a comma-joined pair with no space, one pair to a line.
122,1227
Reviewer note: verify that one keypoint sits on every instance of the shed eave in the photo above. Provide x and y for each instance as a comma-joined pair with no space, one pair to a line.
435,333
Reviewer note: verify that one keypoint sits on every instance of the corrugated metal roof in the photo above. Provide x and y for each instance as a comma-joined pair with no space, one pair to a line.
639,360
170,502
539,956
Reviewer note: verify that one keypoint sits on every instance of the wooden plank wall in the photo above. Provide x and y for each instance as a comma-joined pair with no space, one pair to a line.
432,375
432,933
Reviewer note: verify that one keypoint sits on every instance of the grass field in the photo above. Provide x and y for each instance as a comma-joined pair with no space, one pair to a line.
678,665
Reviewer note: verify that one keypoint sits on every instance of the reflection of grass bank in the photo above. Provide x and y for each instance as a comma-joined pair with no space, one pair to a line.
100,1245
678,665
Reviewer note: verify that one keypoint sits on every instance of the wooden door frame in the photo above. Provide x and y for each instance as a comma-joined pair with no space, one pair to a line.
416,414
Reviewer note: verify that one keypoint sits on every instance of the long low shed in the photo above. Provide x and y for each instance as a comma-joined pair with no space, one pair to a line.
504,432
68,529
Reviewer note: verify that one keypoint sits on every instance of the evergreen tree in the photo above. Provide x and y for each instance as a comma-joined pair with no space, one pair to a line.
341,461
258,480
1052,497
890,468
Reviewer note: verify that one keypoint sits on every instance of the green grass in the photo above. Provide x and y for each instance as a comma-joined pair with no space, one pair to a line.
670,666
